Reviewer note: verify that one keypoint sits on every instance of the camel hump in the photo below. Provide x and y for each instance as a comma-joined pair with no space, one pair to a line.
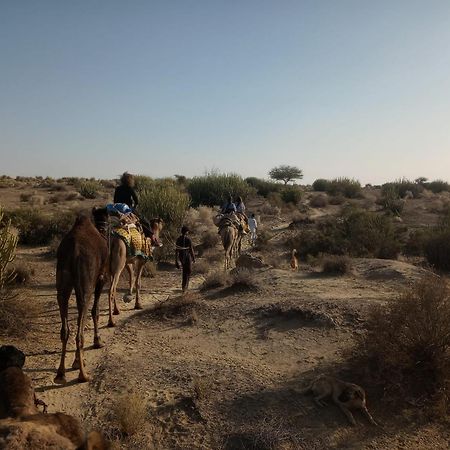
82,220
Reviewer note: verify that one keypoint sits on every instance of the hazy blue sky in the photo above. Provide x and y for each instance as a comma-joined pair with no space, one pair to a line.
337,87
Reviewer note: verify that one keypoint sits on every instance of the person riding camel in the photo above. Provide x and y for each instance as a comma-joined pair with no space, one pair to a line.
125,193
229,207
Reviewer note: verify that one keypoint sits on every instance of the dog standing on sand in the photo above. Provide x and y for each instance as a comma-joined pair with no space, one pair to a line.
345,395
294,261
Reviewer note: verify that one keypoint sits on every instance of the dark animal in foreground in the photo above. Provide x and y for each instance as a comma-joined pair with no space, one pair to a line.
345,395
81,266
22,426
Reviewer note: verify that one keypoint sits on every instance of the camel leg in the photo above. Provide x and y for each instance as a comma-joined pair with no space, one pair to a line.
130,270
82,306
117,264
63,303
95,311
140,267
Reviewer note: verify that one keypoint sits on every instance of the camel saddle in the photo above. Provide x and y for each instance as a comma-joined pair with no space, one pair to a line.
135,240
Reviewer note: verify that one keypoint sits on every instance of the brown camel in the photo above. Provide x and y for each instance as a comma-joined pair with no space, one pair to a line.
81,265
228,233
118,260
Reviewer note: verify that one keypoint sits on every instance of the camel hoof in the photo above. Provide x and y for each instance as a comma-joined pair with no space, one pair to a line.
83,378
111,324
138,306
98,343
60,379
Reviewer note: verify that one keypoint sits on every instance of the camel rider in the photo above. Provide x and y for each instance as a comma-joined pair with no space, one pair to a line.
125,193
240,207
229,207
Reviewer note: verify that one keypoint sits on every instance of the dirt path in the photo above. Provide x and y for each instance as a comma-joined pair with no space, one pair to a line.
220,370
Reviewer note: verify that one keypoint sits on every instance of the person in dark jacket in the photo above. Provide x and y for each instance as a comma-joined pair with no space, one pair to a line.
184,254
125,193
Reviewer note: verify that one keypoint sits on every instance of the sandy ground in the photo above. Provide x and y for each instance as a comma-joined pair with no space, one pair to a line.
223,373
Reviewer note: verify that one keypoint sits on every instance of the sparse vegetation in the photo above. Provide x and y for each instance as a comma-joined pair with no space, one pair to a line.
336,264
213,189
263,187
291,194
89,189
407,343
131,413
318,201
347,187
401,187
215,279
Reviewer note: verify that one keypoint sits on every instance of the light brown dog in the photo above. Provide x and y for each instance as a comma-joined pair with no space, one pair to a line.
345,395
294,261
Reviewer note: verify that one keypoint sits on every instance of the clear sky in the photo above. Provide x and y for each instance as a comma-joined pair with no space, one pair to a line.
356,88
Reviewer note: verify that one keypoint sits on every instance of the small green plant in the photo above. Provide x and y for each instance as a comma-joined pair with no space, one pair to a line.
89,189
291,194
401,187
263,187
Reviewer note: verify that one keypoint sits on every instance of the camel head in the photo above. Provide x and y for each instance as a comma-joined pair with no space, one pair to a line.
100,216
11,356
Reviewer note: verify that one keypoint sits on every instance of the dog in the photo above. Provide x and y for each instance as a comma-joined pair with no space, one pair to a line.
345,395
294,261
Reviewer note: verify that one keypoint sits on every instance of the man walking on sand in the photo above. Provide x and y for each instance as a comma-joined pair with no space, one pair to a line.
184,254
253,225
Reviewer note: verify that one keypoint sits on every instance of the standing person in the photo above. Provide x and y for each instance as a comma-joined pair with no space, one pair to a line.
253,225
125,193
184,254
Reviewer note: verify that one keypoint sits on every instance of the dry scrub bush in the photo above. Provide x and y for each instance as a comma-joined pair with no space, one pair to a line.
318,201
336,264
25,197
131,413
215,279
37,228
244,278
338,199
406,345
357,233
347,187
20,274
202,266
181,307
401,187
210,238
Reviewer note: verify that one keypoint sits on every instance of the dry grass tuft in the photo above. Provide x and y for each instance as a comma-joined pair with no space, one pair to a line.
215,279
318,201
202,266
244,279
20,274
131,413
336,264
405,350
182,308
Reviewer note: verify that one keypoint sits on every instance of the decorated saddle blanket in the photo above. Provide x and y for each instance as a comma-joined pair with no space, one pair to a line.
136,242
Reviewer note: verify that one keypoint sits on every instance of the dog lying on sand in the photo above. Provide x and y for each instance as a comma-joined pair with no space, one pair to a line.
345,395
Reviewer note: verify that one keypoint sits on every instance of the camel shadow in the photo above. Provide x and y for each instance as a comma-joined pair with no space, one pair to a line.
53,386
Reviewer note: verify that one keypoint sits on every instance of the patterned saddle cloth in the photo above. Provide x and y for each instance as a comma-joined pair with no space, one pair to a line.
136,242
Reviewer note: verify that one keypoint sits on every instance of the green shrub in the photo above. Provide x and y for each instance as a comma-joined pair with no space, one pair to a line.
291,194
263,187
320,185
37,228
89,189
405,348
400,187
348,187
437,249
390,200
164,201
213,189
357,233
438,186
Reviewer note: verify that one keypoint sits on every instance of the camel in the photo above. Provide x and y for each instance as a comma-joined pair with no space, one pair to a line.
229,234
81,266
118,260
22,425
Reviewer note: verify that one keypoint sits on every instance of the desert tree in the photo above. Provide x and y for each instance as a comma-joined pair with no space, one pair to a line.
285,173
